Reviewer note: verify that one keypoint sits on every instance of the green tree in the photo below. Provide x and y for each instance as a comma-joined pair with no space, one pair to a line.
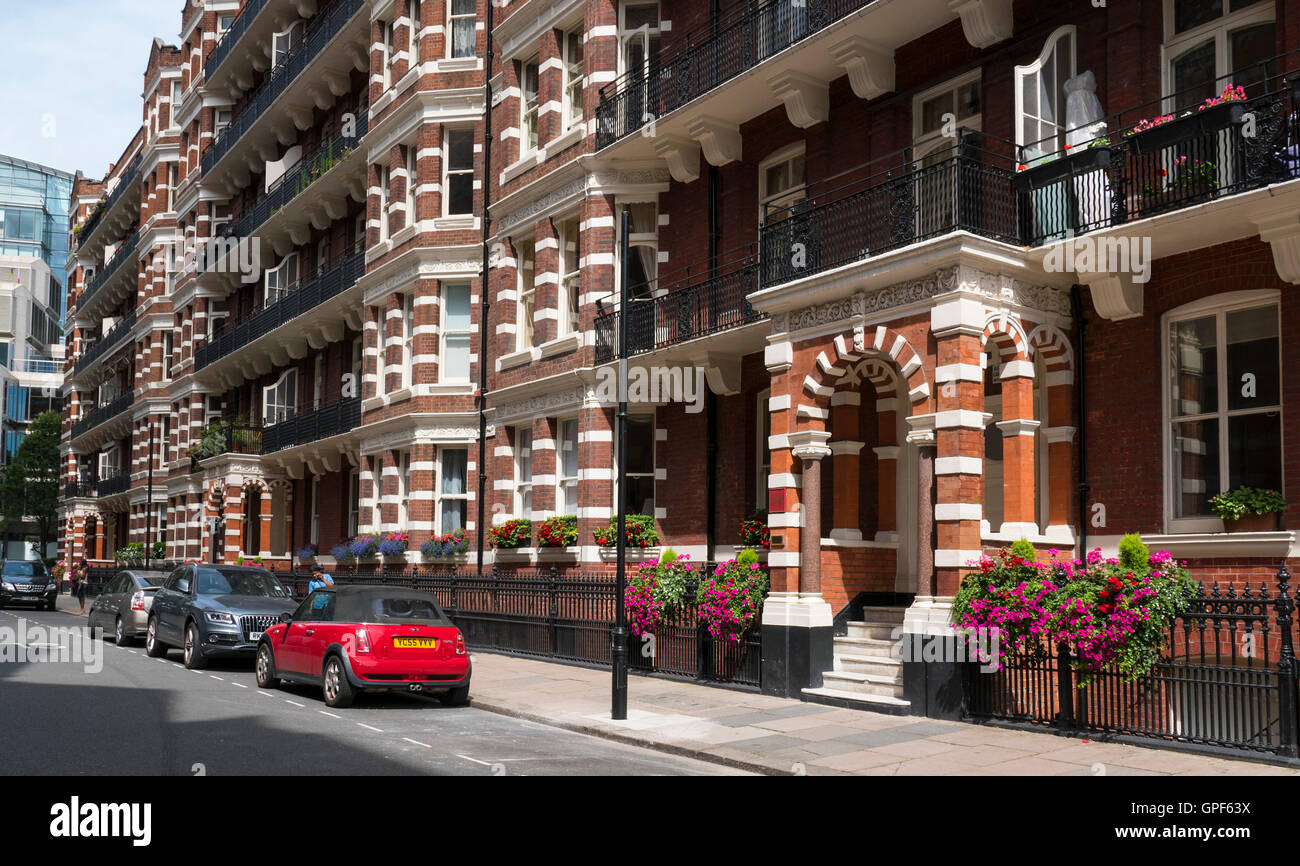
30,489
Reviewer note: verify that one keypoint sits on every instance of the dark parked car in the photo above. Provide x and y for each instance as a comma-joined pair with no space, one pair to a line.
122,606
215,610
23,582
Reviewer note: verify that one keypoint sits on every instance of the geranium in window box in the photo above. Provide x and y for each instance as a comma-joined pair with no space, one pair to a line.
754,531
639,531
511,535
557,532
444,546
1211,116
1072,161
364,546
1249,509
393,545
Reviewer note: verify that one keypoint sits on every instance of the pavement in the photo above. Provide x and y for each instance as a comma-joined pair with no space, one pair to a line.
777,736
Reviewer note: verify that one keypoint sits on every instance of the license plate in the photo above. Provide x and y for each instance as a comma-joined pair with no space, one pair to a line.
254,635
415,642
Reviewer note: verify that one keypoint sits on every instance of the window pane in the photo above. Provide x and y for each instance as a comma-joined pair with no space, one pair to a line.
569,449
462,7
645,14
454,465
1253,376
641,495
453,515
460,189
462,37
1196,462
460,149
1194,74
1251,47
933,110
1255,451
455,362
640,446
1193,362
455,307
1194,13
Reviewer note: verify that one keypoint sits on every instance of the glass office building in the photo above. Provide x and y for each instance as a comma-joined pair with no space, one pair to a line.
34,207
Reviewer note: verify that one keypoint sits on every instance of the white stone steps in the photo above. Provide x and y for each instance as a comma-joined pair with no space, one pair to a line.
874,630
869,646
863,683
883,666
866,702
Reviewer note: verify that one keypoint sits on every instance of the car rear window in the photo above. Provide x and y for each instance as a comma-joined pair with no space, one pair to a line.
152,582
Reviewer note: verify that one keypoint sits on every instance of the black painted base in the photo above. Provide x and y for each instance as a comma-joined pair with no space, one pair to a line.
794,659
932,678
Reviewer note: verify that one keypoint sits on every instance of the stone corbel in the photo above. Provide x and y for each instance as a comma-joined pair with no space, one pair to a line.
337,82
1116,296
720,141
807,99
300,115
306,8
321,97
299,234
1281,231
360,57
870,67
682,156
985,22
723,375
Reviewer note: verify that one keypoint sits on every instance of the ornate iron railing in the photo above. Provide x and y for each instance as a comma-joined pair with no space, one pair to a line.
106,412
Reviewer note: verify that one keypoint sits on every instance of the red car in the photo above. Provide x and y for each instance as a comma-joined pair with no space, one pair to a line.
349,639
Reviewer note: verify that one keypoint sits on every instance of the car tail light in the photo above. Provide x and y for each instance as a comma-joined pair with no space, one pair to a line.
363,641
460,643
137,601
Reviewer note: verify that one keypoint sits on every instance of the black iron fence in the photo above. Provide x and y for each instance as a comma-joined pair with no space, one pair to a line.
103,413
322,30
308,296
112,338
123,254
1228,680
708,58
696,307
238,28
128,178
311,424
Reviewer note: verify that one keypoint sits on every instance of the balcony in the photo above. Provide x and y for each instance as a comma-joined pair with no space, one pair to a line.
225,436
118,482
243,21
129,181
79,490
312,425
1126,168
692,309
322,32
101,346
103,413
308,297
895,202
113,268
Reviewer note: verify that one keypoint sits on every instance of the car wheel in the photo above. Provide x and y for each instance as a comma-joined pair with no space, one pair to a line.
456,697
153,647
338,691
194,659
119,634
266,678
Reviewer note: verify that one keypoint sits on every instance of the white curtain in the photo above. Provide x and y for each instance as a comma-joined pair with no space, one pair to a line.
1085,121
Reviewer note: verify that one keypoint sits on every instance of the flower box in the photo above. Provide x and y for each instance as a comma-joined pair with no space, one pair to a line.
1080,161
558,554
1187,127
634,554
1253,523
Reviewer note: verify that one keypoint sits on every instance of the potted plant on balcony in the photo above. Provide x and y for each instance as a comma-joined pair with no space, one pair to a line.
1249,509
307,555
1046,169
1152,135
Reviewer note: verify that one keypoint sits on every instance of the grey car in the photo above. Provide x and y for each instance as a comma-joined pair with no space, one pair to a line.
27,582
122,606
211,611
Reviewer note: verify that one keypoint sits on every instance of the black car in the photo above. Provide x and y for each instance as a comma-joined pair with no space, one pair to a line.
215,610
24,582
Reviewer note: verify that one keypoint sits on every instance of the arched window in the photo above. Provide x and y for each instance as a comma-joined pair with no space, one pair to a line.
1040,94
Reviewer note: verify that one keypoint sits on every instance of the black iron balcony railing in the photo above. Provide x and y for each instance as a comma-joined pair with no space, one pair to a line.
119,482
106,342
969,190
79,489
707,58
124,253
105,412
312,424
326,27
311,168
694,308
1166,155
231,38
226,436
308,296
128,178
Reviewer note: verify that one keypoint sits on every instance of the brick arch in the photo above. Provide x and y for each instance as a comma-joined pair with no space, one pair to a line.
216,495
1053,346
886,349
1007,335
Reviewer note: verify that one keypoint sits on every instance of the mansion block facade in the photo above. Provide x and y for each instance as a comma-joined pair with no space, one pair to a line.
949,273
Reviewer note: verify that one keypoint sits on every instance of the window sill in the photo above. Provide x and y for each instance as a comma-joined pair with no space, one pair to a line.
385,100
455,223
529,160
1215,545
568,139
516,359
403,235
560,345
458,64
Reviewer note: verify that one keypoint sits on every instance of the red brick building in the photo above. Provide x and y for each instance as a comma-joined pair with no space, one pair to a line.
922,291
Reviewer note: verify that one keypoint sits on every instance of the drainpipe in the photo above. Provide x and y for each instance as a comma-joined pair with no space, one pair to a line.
484,304
710,399
1076,303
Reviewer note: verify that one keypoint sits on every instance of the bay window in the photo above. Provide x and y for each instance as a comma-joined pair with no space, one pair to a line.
523,505
452,490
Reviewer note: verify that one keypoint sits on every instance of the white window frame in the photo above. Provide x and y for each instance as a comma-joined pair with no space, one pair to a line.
412,174
644,32
280,55
280,400
786,197
1175,45
286,276
1034,70
574,85
1218,306
530,111
354,503
403,490
762,453
385,179
637,239
413,15
452,17
526,286
653,474
441,498
570,301
448,172
523,472
445,332
563,482
923,143
408,340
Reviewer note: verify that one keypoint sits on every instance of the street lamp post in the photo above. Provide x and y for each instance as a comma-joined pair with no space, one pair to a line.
619,709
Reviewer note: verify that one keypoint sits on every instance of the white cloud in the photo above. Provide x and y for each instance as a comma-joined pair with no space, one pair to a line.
73,74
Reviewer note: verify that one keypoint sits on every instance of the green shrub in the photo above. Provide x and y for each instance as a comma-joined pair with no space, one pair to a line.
746,558
1133,554
1024,549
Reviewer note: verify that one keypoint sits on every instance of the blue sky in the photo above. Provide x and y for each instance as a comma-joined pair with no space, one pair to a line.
72,76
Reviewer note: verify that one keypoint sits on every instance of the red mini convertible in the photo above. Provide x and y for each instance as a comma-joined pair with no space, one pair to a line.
349,639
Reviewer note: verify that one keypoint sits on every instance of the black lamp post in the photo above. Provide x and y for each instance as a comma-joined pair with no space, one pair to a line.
619,708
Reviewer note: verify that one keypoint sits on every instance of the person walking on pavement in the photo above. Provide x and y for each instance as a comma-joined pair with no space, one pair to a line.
83,575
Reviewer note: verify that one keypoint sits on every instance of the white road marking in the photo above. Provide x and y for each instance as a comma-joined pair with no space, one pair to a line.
417,742
295,703
240,685
331,715
133,652
369,728
475,760
217,678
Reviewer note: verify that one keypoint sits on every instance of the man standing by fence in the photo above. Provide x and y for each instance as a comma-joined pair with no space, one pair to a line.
319,579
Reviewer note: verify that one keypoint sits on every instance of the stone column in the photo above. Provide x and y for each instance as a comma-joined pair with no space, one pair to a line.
1019,466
